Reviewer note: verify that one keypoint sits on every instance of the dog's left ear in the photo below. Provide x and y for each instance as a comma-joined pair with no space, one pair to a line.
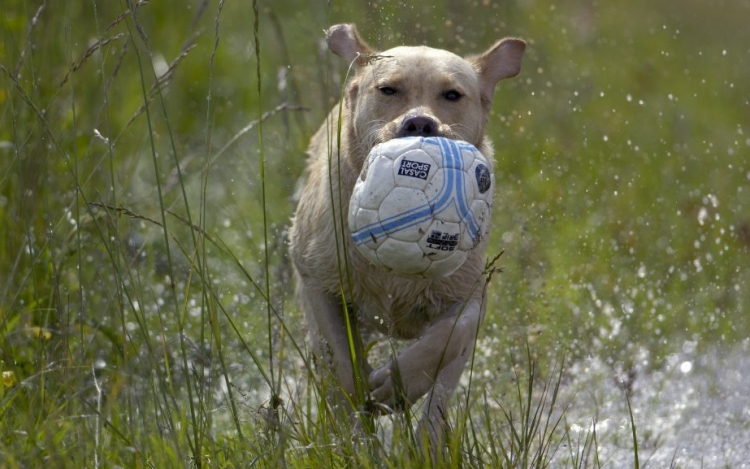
503,60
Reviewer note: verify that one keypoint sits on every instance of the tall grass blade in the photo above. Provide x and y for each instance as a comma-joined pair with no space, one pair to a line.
275,399
636,462
197,413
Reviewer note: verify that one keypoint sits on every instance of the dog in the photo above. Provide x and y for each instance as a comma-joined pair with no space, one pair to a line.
403,91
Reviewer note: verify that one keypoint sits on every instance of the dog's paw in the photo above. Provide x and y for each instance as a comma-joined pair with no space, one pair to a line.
398,387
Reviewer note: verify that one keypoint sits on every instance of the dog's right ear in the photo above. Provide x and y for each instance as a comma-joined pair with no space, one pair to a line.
344,41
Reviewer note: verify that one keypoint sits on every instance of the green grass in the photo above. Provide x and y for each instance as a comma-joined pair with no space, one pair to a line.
149,154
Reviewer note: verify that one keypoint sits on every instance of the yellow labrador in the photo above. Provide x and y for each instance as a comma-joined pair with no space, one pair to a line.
404,91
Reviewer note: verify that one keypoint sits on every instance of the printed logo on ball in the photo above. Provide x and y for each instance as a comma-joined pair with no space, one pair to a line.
440,241
414,169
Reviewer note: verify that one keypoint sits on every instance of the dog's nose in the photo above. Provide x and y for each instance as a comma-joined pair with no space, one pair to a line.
418,126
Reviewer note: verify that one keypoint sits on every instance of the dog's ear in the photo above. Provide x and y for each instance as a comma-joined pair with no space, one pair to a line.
344,41
502,60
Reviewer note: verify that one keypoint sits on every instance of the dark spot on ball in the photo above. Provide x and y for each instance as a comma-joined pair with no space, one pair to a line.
484,181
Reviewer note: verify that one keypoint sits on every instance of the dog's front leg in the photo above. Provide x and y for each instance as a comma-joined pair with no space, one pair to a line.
436,360
327,314
433,422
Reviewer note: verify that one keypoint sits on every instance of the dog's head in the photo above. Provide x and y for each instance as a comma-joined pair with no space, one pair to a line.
420,91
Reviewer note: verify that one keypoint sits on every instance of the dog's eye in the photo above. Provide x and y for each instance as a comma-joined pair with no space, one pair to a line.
452,95
387,90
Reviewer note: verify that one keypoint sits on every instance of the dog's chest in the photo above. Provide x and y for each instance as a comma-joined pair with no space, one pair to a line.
396,306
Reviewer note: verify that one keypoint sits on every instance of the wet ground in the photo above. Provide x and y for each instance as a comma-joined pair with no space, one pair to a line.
693,413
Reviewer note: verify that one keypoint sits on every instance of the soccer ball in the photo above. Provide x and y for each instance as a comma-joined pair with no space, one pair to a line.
421,204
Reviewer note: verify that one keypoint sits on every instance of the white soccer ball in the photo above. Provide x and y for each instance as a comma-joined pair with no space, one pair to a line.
421,204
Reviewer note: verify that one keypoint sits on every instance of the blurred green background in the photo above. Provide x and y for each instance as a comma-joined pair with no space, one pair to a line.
623,201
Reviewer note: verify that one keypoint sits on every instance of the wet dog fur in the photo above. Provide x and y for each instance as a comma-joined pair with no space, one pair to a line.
399,92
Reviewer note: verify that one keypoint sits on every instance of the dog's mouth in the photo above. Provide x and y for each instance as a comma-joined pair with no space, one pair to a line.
411,125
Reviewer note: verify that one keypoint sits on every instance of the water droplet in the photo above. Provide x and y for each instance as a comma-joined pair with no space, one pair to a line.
702,215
